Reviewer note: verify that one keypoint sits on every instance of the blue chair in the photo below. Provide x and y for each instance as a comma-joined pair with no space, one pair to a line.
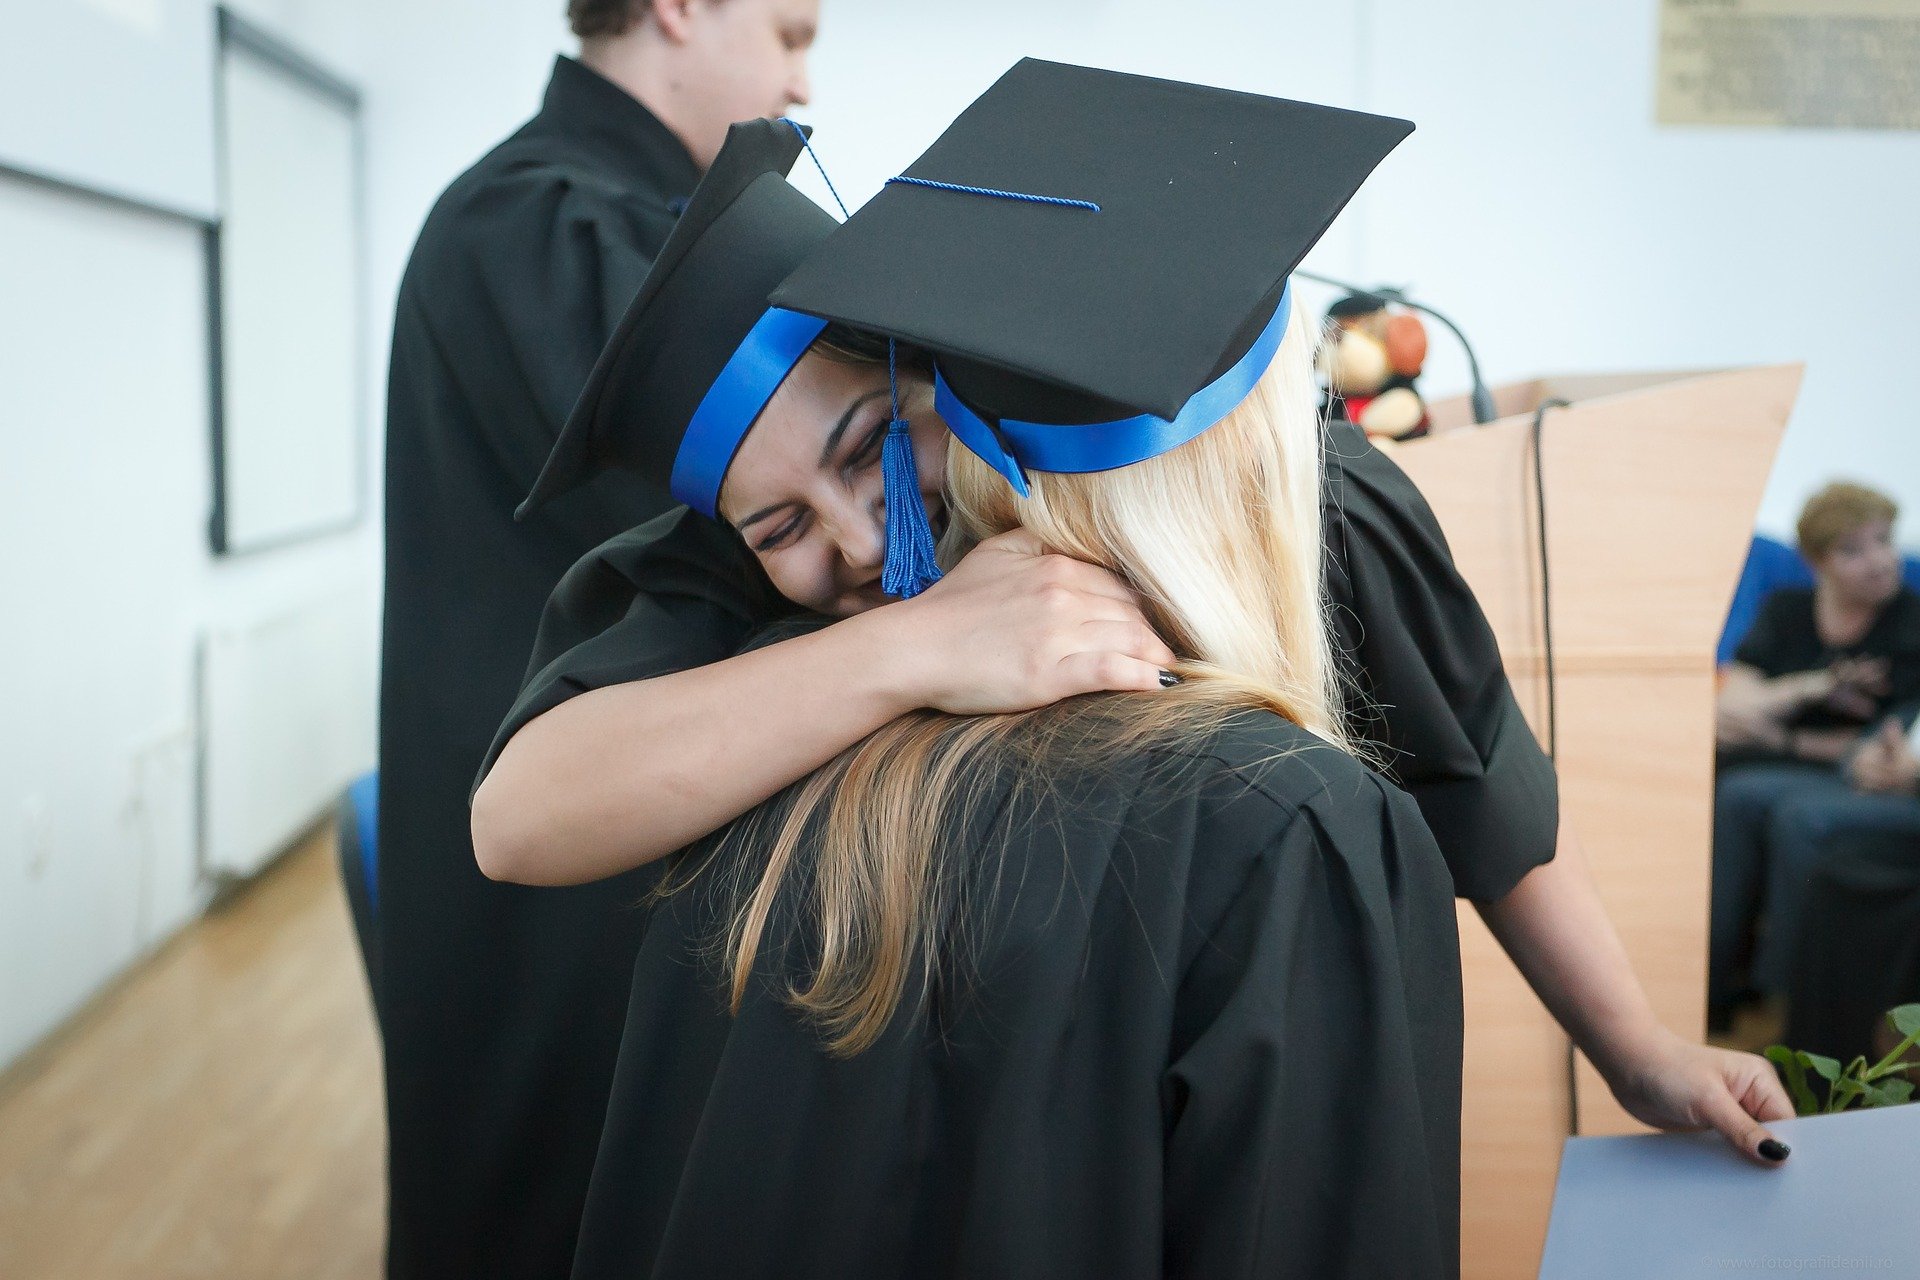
357,822
1770,565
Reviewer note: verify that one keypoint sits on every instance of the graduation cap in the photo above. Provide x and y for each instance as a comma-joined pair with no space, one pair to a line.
1097,262
698,353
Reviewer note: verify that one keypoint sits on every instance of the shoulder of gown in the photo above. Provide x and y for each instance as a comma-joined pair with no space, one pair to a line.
1425,677
678,592
1314,1040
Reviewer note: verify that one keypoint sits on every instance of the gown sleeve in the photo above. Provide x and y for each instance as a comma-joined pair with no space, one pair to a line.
676,593
1431,688
1313,1090
582,255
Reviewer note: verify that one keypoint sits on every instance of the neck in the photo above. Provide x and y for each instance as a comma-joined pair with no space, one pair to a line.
642,64
1840,620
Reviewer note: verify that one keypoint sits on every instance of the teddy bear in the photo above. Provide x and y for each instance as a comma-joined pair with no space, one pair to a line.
1369,362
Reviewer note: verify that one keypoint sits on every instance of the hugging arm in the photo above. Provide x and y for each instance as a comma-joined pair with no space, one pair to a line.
616,770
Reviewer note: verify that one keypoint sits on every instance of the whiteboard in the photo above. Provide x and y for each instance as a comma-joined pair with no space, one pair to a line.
289,431
115,96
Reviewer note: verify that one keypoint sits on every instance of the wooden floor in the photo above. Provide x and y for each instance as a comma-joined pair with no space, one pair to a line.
215,1115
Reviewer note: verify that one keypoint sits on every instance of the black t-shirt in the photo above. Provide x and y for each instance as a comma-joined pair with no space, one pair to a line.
1785,639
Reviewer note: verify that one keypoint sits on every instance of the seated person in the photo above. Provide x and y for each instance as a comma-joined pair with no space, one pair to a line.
1818,669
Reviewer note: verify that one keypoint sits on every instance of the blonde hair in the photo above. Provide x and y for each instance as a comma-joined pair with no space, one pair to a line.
1222,538
1835,512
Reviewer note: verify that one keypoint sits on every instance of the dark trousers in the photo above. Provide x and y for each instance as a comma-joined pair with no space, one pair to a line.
1772,825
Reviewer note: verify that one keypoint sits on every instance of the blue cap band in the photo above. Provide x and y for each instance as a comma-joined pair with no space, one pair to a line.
1010,445
746,382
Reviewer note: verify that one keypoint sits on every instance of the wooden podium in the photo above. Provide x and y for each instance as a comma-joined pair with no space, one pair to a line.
1651,484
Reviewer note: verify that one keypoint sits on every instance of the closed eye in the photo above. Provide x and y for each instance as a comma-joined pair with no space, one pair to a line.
870,447
788,530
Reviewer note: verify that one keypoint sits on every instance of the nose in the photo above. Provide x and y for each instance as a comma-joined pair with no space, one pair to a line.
861,534
799,92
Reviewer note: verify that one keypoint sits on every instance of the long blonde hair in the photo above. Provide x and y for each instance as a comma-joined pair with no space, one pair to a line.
1221,537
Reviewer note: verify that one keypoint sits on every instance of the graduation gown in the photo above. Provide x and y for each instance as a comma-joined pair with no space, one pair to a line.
503,1005
1207,1023
1408,634
683,591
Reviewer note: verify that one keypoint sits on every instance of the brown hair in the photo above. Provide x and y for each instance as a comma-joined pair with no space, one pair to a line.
591,19
1836,511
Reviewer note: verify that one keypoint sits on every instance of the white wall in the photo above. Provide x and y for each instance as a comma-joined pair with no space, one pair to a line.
110,583
107,488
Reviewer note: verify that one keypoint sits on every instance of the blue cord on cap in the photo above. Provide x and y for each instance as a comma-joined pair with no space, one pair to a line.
995,192
807,142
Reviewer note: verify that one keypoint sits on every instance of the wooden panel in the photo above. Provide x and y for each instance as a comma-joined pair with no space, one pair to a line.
1651,488
1513,1112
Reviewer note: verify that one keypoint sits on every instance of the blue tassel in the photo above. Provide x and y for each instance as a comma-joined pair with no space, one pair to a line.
910,567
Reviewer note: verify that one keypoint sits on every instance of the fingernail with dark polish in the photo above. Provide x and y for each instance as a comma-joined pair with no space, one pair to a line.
1774,1150
1168,679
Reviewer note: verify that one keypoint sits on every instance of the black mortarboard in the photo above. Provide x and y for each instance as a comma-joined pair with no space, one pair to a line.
699,352
1087,247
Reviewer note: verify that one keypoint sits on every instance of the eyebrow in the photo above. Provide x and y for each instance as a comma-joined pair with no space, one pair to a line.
827,451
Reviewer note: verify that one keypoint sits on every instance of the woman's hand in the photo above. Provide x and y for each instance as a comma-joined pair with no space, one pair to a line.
1738,723
1672,1083
1885,764
1857,684
1013,628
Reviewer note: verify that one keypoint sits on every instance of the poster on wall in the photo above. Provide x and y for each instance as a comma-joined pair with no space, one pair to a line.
1808,64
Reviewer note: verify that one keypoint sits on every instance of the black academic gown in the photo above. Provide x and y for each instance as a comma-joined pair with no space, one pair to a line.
502,1005
1205,1022
747,1141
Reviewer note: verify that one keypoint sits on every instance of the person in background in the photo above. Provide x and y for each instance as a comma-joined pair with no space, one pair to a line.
501,1008
1798,765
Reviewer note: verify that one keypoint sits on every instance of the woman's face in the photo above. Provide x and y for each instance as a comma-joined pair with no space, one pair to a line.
805,489
1863,568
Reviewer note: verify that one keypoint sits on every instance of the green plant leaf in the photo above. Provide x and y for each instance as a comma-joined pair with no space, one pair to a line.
1794,1072
1891,1093
1906,1019
1828,1068
1843,1093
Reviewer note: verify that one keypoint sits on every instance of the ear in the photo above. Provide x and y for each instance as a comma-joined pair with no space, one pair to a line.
674,18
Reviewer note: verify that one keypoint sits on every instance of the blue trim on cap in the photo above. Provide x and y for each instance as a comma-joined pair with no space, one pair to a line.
746,382
1010,445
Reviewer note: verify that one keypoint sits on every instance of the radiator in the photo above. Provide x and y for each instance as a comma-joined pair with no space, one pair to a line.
287,707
